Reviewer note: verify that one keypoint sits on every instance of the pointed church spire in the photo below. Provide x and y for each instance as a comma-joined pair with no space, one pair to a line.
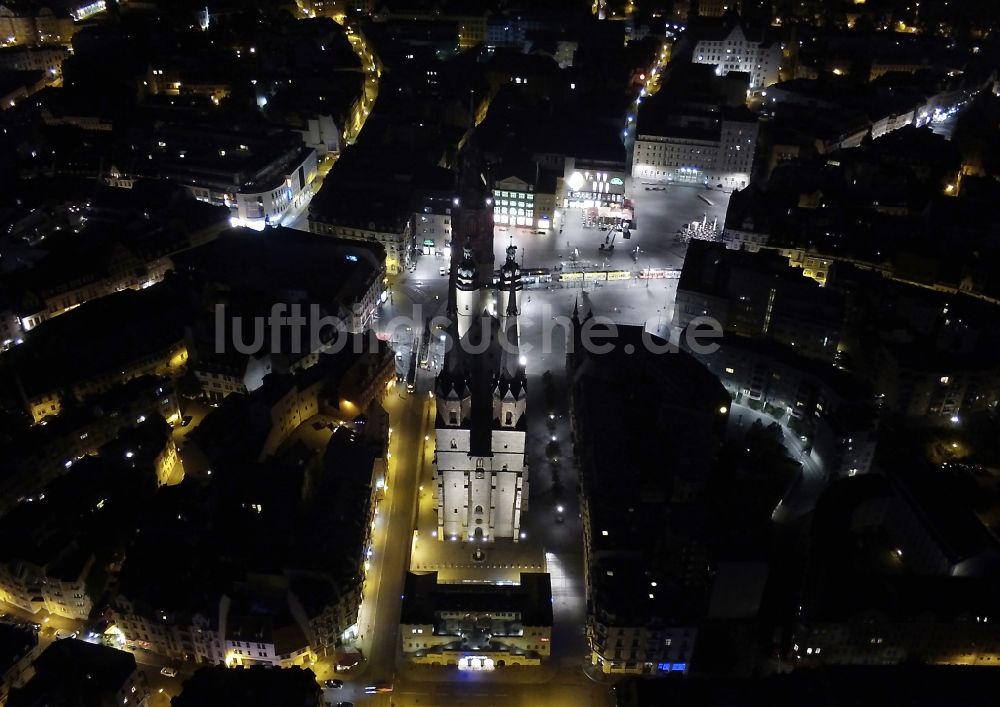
511,367
512,302
452,307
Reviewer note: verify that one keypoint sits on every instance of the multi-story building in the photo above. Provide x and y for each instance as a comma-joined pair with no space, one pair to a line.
99,267
259,176
471,29
343,383
59,586
594,183
481,474
386,219
476,627
524,197
834,411
433,201
323,277
181,599
151,443
252,640
47,59
697,146
48,23
70,668
169,632
43,452
132,333
938,385
646,599
897,573
19,648
737,47
759,295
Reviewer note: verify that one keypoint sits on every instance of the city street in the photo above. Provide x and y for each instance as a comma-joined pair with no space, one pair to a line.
804,491
409,416
298,218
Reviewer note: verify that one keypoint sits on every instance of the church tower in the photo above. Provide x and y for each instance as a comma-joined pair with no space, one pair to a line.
510,286
466,288
510,390
454,383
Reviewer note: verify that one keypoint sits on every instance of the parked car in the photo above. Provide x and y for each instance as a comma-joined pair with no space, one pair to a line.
169,672
185,421
334,684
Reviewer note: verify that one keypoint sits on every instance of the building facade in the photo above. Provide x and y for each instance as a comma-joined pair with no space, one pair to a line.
478,627
59,589
737,51
712,149
594,184
396,235
525,203
833,412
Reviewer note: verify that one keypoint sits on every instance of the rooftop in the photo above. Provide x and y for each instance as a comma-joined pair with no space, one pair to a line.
250,687
72,672
284,260
423,598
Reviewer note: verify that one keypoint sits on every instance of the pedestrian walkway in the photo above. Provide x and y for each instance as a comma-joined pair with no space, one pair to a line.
503,560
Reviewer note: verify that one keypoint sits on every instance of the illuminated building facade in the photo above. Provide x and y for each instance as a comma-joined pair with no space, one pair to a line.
481,473
525,202
476,627
738,50
595,183
713,148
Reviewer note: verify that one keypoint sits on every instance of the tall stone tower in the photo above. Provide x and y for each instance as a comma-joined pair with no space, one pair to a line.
467,293
510,286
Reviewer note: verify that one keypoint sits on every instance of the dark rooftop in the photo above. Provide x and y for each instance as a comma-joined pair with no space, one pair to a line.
286,260
423,597
74,673
250,687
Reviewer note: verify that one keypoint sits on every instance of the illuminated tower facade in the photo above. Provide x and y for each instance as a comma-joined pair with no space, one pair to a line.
481,474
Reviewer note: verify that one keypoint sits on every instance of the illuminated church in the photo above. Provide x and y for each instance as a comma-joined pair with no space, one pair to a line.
481,473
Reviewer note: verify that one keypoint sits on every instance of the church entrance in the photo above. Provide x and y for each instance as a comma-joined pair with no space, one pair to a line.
477,534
